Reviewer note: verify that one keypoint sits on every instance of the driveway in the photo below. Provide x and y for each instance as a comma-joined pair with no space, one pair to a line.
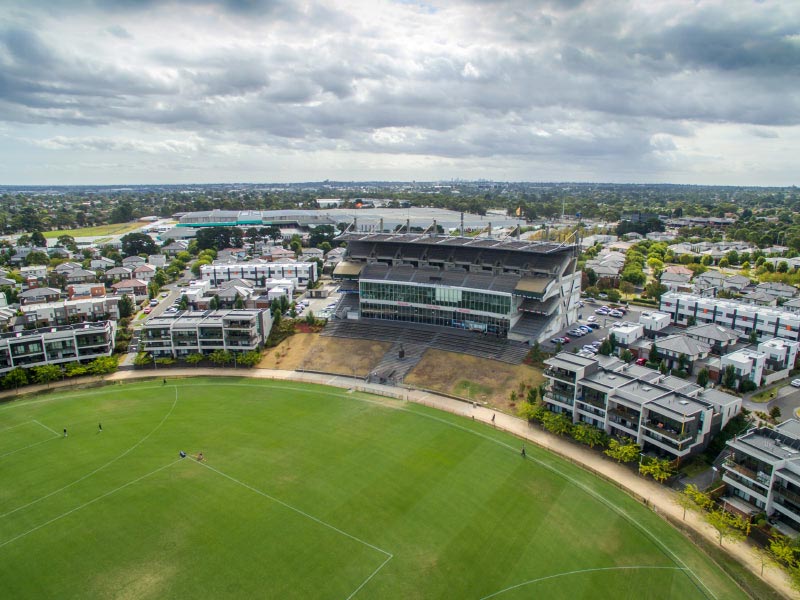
788,400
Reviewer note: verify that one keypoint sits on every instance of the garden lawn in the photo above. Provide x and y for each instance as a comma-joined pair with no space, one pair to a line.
310,492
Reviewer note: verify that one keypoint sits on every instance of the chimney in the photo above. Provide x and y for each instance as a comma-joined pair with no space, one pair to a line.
381,229
462,223
434,231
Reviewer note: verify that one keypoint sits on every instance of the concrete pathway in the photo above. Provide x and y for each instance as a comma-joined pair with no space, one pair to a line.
659,498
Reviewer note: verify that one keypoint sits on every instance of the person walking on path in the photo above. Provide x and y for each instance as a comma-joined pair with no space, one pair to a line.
165,381
99,428
65,432
523,452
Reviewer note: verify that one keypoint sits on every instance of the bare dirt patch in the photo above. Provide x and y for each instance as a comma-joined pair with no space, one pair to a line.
312,352
476,379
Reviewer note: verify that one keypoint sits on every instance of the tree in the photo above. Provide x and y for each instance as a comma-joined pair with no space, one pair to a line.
297,246
221,357
685,501
729,377
531,412
250,359
626,355
219,238
68,242
702,377
103,365
775,413
662,366
138,243
37,258
783,551
38,239
125,306
46,374
556,423
238,303
589,435
321,234
213,304
15,378
658,469
194,359
183,303
654,356
700,499
625,450
728,526
75,369
626,287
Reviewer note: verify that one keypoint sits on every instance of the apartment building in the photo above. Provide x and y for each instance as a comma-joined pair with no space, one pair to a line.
762,473
743,318
56,345
206,331
301,274
71,311
667,416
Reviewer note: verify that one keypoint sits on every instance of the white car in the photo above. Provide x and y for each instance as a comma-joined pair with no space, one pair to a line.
616,313
591,319
795,382
589,348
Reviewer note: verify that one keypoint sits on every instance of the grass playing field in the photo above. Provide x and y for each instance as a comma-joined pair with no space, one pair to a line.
310,492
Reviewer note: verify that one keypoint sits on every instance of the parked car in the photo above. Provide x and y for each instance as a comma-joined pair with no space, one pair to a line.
593,326
566,340
795,382
148,310
643,361
603,296
153,302
585,329
559,340
601,311
576,332
616,314
592,319
589,348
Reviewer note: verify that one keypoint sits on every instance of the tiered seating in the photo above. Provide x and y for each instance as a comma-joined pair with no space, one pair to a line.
441,338
531,325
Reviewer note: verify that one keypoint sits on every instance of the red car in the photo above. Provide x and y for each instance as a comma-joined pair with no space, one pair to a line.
641,361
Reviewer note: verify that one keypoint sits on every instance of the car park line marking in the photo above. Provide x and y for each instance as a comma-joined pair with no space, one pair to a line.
577,572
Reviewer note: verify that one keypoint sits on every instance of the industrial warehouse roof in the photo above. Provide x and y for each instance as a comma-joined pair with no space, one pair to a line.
433,276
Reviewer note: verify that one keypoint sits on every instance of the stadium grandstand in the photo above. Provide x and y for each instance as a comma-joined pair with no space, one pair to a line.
517,290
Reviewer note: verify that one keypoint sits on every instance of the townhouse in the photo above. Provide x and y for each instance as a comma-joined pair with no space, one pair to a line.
667,416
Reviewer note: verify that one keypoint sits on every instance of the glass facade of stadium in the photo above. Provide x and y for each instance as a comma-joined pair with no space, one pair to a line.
437,305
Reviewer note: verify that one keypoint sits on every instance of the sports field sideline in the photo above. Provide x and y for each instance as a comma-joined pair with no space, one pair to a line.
310,492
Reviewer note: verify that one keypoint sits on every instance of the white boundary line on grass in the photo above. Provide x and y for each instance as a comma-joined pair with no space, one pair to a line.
50,439
579,571
17,425
85,504
112,461
46,427
676,559
389,556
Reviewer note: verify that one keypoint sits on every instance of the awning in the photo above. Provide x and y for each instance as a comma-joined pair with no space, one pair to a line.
348,269
535,286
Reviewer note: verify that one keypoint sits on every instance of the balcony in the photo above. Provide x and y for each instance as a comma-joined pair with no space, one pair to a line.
665,436
567,377
789,495
761,478
598,402
667,431
628,415
548,397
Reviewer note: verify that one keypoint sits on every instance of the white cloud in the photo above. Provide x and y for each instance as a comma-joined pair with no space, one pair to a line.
605,91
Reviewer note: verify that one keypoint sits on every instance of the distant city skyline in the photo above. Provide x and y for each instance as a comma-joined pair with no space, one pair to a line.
202,91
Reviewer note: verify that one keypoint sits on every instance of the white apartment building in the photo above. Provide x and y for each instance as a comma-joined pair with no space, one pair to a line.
301,274
653,321
56,345
743,318
626,333
204,332
747,364
665,415
762,473
781,354
71,311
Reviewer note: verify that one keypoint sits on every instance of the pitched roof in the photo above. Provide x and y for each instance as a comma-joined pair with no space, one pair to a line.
682,344
712,331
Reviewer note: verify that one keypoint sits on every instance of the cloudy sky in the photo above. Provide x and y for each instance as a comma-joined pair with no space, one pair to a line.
138,91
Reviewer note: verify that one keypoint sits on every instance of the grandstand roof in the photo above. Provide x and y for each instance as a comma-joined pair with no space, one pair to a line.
457,241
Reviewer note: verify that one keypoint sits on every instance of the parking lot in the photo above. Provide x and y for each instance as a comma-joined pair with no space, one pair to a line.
599,334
